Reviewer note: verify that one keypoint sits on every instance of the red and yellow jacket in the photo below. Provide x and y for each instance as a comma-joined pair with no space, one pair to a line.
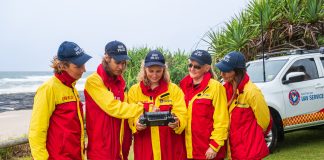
109,136
56,128
159,142
208,118
249,121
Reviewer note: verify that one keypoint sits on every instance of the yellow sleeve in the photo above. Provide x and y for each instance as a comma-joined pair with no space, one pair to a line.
44,105
260,108
179,108
221,118
132,99
106,101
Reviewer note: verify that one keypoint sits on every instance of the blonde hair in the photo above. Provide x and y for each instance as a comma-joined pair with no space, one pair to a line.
142,76
58,65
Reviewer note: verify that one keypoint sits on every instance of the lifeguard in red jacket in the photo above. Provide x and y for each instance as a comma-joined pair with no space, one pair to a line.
56,128
249,114
109,136
155,88
208,119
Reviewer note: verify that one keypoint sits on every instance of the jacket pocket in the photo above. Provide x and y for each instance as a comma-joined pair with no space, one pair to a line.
238,151
203,108
71,146
165,107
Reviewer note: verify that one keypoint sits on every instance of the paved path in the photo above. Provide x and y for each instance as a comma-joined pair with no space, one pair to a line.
14,124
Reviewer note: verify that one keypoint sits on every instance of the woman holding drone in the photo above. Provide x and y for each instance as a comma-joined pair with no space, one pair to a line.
158,95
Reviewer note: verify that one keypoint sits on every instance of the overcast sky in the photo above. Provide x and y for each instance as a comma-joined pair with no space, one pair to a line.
32,30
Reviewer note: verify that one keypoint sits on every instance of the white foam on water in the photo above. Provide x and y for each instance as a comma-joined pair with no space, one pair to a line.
26,79
13,102
32,88
29,82
7,108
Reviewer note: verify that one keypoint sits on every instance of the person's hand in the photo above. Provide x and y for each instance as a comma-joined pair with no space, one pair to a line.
140,126
210,153
175,124
155,109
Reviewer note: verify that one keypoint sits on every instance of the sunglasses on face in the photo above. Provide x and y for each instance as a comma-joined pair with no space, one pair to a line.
194,66
121,62
124,63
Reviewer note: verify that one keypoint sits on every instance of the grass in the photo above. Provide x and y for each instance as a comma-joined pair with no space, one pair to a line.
301,144
20,152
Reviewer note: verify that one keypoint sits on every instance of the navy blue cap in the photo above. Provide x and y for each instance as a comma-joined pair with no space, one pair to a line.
201,56
154,57
117,50
231,61
70,51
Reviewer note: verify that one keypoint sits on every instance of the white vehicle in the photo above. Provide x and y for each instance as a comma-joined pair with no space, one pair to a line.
293,89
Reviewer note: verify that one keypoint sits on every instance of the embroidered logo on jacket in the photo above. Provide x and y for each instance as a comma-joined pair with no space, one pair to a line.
67,98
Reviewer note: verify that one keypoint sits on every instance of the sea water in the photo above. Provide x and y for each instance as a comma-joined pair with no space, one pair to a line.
28,81
17,89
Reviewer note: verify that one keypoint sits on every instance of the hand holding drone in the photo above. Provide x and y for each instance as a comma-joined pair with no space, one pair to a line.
159,118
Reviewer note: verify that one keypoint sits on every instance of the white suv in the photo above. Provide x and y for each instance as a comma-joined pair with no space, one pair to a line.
293,89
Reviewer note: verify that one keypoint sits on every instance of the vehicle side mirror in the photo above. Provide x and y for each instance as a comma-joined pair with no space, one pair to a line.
294,77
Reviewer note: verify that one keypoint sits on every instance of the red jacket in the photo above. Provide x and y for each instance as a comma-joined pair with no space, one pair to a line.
56,127
109,136
159,142
249,121
207,117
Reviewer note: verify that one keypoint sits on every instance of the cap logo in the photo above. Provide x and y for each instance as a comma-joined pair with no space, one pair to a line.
198,53
121,48
155,56
227,58
78,50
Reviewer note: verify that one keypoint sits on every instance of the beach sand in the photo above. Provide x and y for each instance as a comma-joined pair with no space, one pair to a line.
15,113
14,124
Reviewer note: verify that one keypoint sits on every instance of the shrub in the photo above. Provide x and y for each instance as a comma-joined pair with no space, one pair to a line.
177,62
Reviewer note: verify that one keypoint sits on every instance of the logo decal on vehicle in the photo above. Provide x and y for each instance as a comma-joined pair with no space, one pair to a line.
294,97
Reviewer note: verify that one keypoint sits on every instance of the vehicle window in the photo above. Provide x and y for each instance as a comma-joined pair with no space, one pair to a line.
307,66
272,68
322,60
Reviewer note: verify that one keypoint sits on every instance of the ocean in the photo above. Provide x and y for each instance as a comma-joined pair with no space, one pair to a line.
17,89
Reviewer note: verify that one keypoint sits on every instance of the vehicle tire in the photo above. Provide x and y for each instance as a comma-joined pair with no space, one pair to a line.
272,137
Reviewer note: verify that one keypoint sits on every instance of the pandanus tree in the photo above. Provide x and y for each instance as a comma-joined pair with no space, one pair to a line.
286,24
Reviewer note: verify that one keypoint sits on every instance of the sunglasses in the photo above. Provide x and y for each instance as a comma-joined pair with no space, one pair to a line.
121,62
194,66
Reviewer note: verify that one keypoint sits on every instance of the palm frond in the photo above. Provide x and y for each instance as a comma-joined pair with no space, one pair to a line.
313,10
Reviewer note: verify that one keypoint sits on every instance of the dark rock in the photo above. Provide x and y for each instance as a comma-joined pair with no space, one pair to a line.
19,101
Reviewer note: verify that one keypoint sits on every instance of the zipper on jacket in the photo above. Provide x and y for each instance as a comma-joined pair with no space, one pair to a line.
205,89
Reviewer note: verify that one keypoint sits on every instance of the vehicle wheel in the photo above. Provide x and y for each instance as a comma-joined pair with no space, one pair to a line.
272,136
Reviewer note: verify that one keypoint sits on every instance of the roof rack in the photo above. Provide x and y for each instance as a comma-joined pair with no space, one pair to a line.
290,52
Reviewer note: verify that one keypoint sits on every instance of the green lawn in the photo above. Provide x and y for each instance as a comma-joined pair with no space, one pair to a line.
301,144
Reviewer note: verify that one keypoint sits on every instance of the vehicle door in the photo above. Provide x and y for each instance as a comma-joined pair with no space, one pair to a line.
303,97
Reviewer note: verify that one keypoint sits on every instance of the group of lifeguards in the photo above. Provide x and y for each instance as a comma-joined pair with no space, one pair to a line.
212,120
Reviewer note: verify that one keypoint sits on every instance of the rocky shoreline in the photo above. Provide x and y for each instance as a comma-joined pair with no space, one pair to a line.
20,101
